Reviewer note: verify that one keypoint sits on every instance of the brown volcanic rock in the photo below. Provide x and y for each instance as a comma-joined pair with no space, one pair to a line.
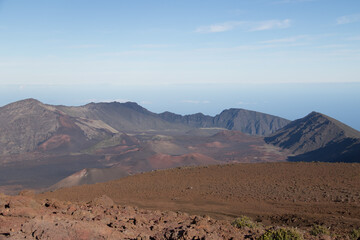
101,219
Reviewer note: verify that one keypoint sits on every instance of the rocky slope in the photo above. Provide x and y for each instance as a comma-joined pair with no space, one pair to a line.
24,217
291,194
125,117
30,125
318,137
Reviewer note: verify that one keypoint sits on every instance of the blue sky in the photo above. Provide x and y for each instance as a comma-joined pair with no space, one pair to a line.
284,57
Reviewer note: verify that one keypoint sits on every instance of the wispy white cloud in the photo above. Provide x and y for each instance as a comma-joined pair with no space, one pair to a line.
246,25
285,40
221,27
196,101
332,46
348,19
271,24
86,46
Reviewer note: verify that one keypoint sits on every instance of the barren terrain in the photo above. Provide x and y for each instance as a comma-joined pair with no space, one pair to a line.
291,194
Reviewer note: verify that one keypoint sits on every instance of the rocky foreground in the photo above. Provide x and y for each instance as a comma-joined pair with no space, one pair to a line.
24,217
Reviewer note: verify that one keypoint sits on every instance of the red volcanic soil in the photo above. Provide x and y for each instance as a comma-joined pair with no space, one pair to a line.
292,194
55,142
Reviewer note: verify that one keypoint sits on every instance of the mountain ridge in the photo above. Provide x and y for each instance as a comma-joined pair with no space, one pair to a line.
318,137
29,123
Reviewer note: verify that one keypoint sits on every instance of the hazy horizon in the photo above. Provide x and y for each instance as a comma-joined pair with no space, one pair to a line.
291,101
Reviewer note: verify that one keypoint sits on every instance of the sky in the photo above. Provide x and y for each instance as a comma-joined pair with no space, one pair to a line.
283,57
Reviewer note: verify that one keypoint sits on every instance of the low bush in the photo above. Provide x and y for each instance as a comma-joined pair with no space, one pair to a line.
355,234
244,221
319,230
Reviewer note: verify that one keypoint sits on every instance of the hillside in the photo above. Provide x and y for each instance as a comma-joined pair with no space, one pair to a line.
30,125
292,194
124,117
318,137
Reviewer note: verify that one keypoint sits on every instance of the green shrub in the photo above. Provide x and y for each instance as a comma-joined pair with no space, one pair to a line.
281,234
319,230
244,221
355,234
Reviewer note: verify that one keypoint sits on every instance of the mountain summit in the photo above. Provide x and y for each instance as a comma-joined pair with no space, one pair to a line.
317,137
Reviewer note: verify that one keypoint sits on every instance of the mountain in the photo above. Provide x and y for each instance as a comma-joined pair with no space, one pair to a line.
30,125
318,137
125,117
250,122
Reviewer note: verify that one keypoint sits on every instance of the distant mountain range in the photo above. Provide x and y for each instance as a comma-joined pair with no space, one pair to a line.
28,125
250,122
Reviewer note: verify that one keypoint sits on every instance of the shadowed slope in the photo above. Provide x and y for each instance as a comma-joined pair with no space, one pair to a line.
318,137
127,117
250,122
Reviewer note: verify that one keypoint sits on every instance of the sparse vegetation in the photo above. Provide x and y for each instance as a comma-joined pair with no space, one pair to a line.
319,230
244,221
281,234
355,234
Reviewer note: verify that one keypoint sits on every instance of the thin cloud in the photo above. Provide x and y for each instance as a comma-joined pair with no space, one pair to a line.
284,40
271,24
330,46
221,27
86,46
246,25
348,19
